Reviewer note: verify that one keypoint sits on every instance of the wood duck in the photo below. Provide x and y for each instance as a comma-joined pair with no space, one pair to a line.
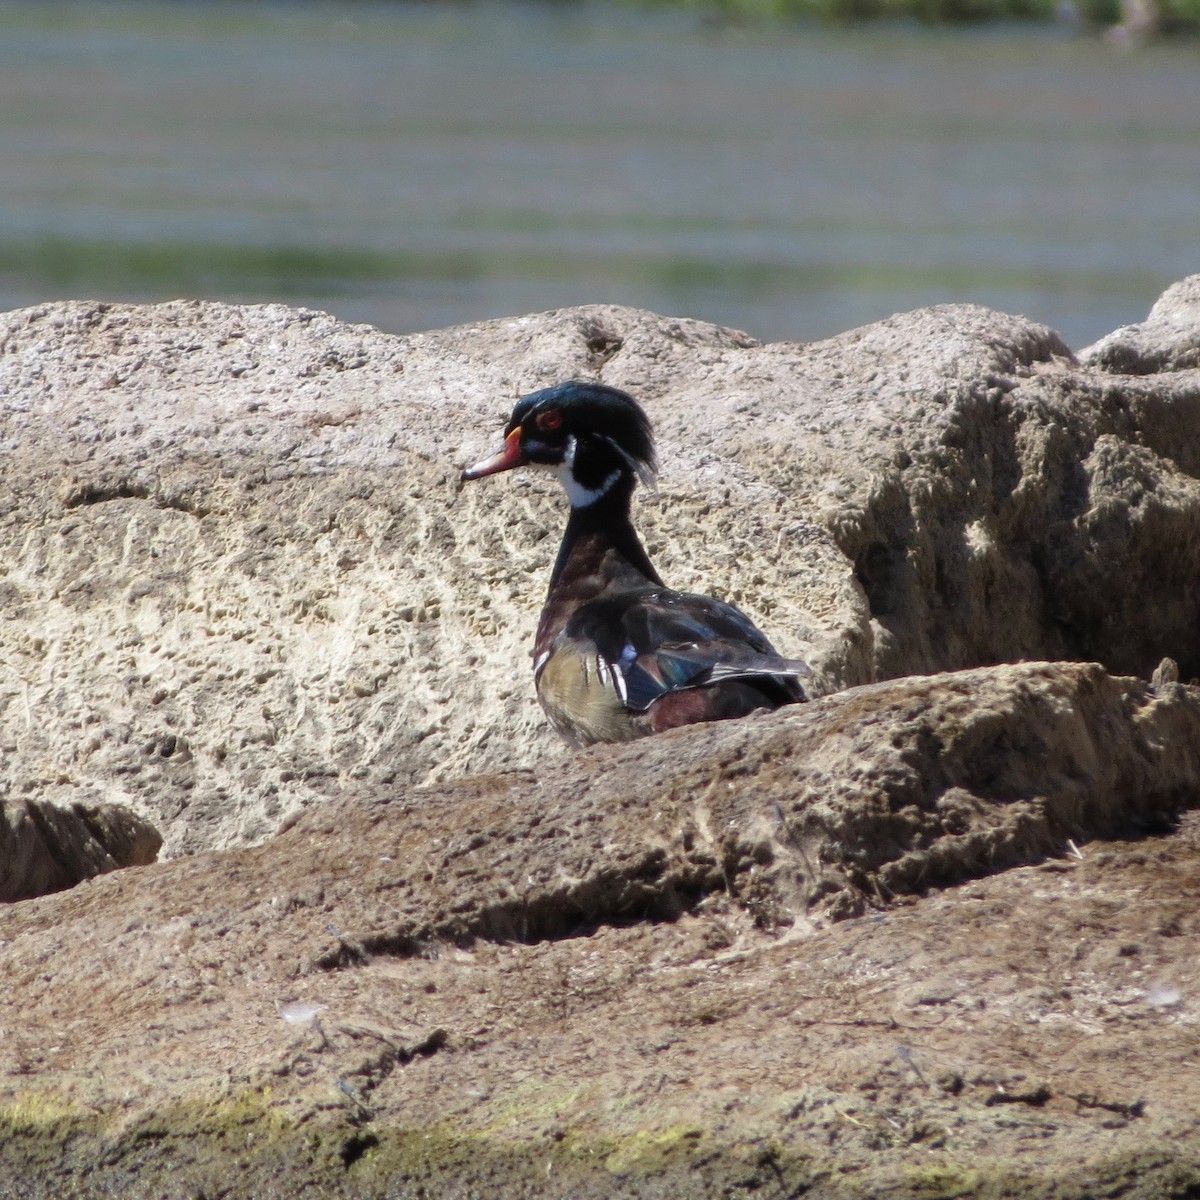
618,654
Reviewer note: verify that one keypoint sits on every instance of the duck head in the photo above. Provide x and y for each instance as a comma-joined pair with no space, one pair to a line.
595,438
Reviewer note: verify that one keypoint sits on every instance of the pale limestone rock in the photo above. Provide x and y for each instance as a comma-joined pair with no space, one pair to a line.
1168,340
239,574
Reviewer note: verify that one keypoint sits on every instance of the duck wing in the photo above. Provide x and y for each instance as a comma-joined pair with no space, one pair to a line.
659,641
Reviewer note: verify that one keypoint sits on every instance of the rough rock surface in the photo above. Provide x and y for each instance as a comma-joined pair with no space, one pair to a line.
238,572
1168,340
618,978
44,848
240,588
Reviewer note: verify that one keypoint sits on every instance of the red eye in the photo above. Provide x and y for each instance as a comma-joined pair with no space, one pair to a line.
549,421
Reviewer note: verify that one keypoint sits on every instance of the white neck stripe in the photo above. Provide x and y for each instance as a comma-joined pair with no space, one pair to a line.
579,496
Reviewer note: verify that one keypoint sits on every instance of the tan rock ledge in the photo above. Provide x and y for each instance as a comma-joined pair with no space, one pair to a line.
619,978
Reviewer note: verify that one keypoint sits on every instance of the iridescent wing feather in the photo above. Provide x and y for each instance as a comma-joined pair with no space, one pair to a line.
662,641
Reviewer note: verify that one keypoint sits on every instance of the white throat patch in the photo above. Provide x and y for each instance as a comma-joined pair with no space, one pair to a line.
577,494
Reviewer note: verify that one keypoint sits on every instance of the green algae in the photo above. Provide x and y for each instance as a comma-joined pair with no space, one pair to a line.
529,1105
42,1133
944,1180
246,1144
249,1143
37,1112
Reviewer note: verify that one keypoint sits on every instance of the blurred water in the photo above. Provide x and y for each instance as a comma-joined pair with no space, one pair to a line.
419,166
